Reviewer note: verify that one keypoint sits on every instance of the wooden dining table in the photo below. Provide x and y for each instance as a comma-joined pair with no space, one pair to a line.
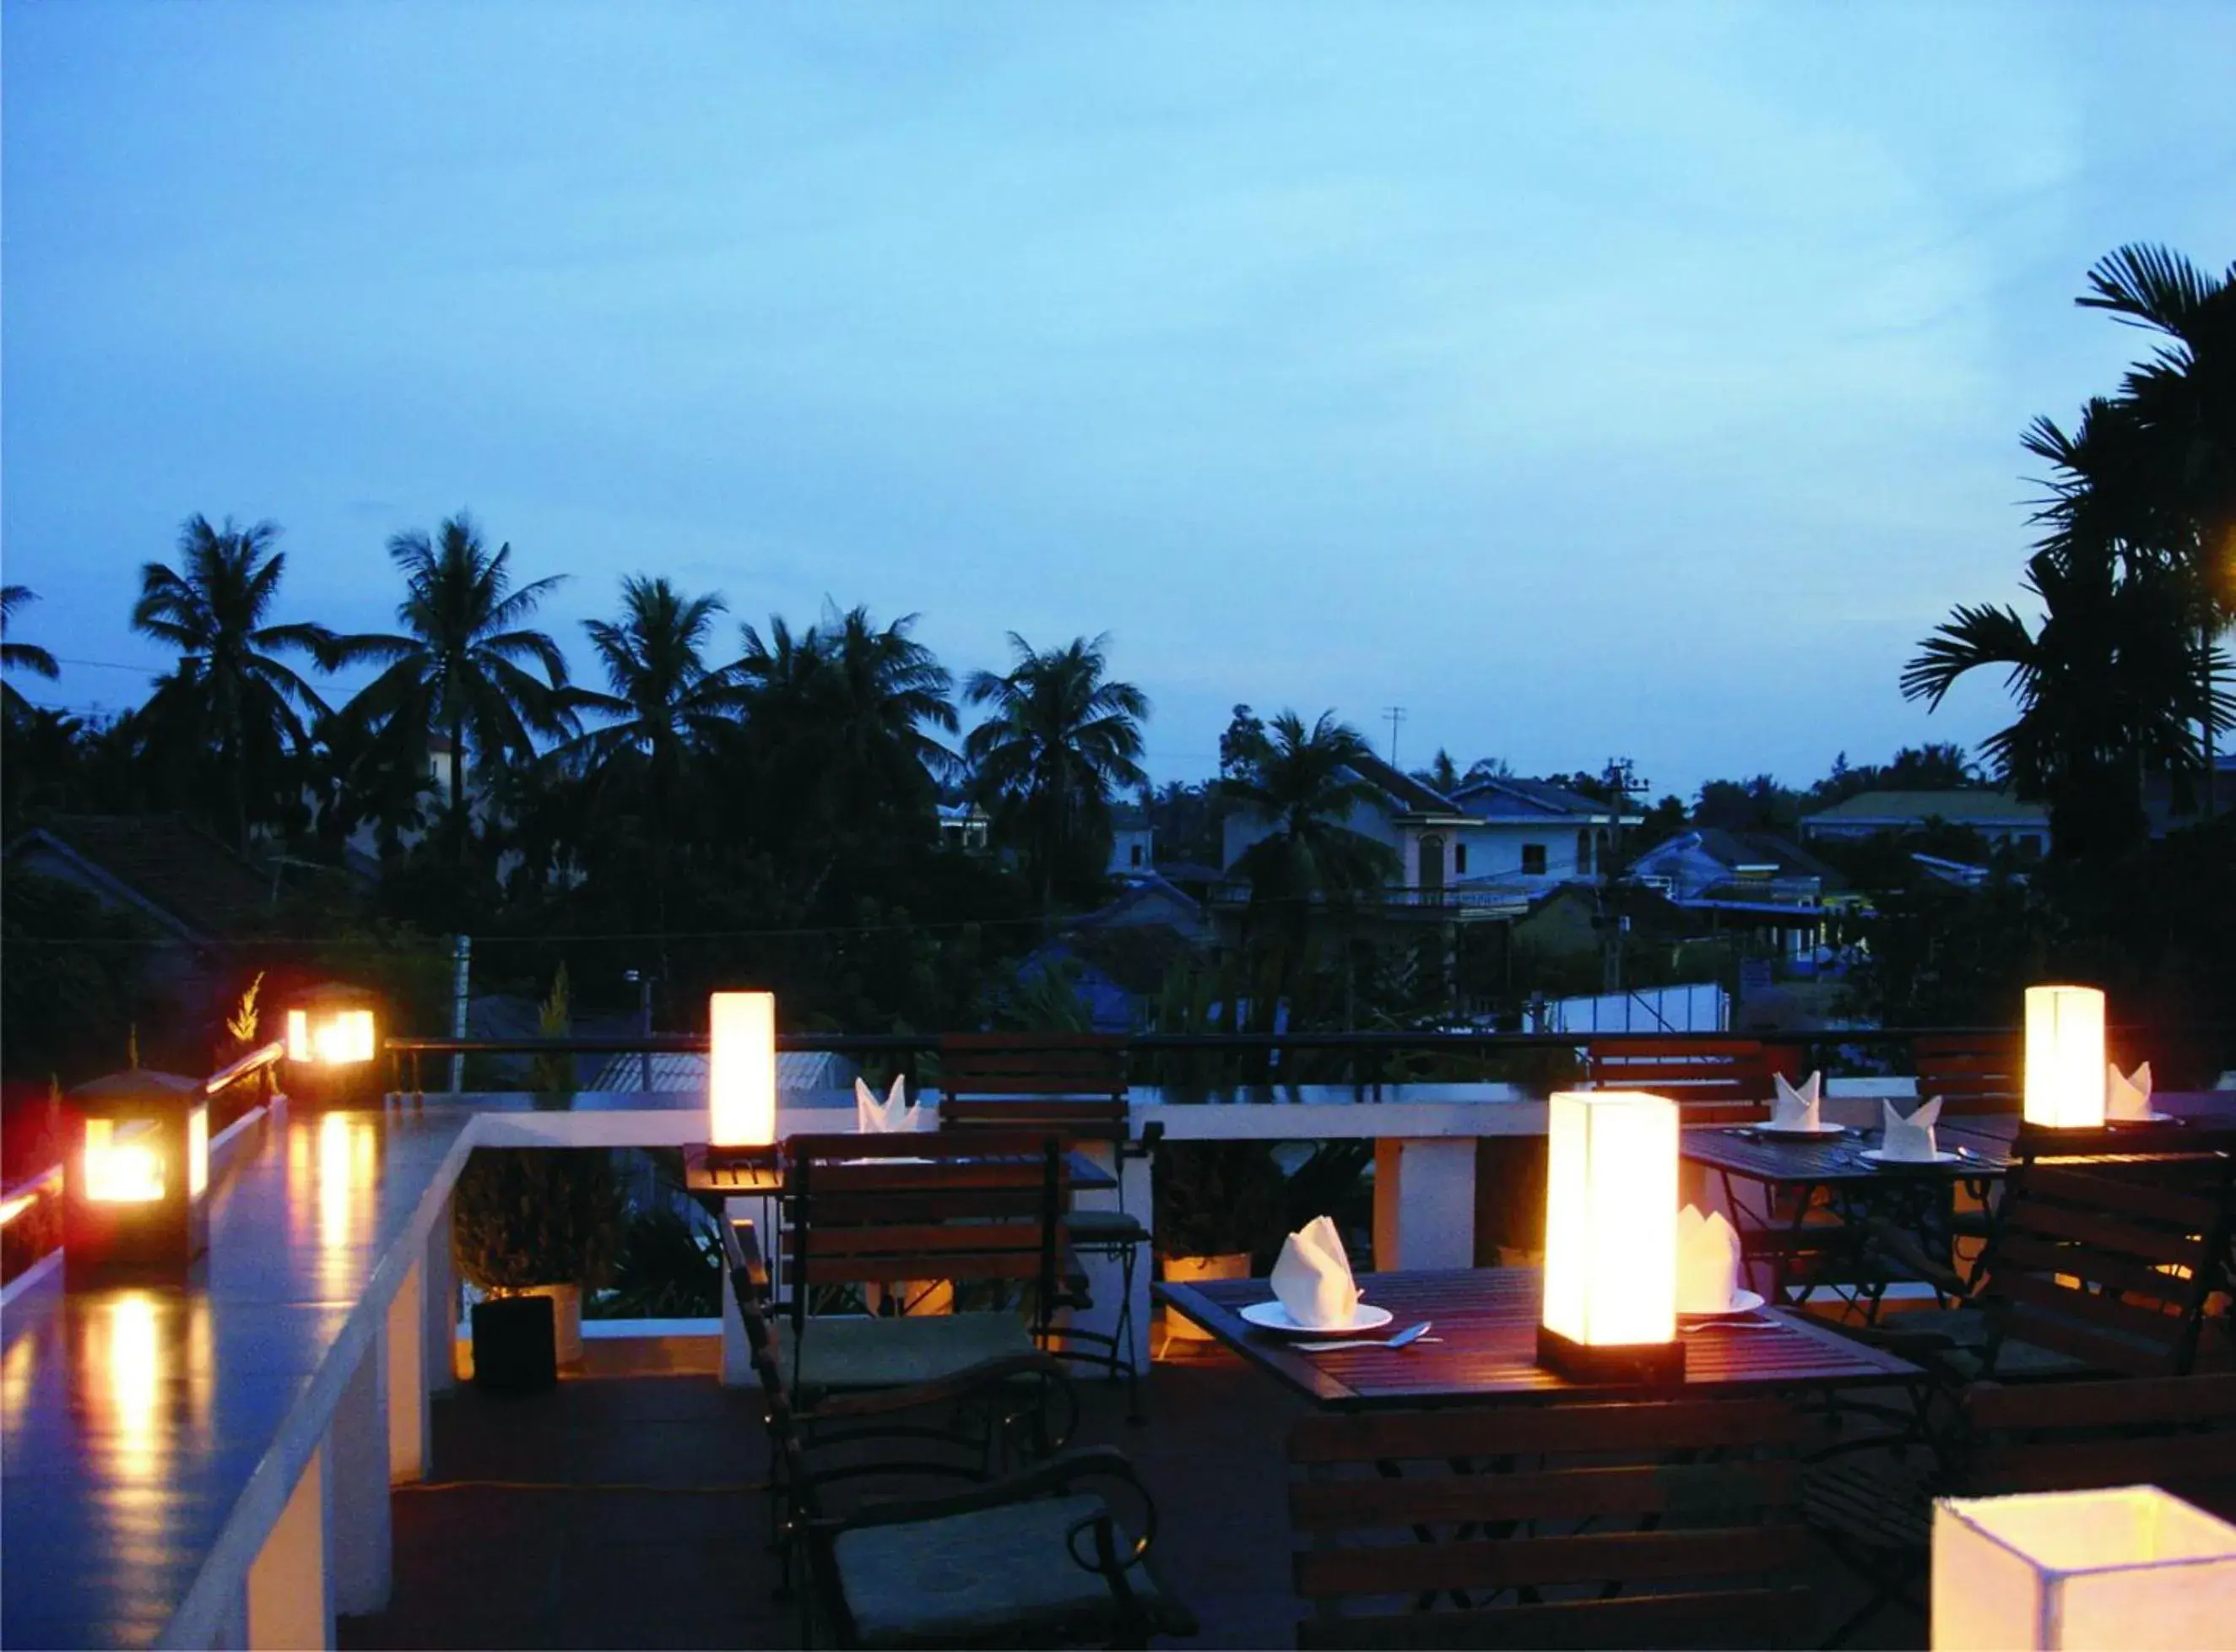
1485,1321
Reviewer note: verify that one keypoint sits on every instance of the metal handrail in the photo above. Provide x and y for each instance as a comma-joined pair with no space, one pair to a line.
247,1066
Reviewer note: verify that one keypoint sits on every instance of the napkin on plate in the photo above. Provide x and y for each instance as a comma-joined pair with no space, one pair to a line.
1708,1263
2128,1098
891,1117
1797,1108
1909,1140
1312,1279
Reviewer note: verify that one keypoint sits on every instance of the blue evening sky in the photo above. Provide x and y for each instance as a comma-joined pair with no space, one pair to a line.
1589,379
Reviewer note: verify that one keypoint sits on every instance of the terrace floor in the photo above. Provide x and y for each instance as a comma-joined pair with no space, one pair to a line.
625,1511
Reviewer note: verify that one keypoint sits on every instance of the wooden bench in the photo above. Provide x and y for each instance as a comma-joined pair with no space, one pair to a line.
1518,1526
1716,1081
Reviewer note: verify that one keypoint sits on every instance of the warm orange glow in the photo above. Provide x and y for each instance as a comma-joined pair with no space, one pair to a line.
2065,1058
16,1207
348,1166
2131,1566
130,1377
197,1152
330,1037
1611,1217
741,1068
118,1170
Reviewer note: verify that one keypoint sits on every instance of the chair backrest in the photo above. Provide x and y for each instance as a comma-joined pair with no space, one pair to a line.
1074,1083
2105,1253
1397,1513
981,1204
2170,1431
1717,1081
1970,1073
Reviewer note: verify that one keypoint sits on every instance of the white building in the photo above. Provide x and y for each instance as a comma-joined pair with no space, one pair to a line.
1492,844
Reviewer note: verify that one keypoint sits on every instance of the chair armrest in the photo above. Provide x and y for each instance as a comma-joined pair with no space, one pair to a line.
1887,1240
986,1374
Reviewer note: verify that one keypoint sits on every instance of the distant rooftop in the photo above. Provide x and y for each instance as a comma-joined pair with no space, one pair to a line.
173,872
1961,806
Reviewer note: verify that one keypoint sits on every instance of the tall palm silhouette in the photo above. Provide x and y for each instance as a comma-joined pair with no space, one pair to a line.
461,665
1301,780
20,656
230,698
666,698
839,726
1060,738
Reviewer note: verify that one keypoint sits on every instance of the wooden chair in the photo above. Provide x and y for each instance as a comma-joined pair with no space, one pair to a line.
1716,1081
2105,1252
1876,1512
980,1209
1970,1074
1587,1525
1073,1086
1032,1557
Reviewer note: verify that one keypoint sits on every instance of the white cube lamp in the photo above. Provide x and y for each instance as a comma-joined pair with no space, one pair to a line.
2125,1568
2065,1058
1610,1311
741,1070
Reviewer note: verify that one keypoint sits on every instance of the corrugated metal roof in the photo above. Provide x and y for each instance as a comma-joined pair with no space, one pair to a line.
796,1069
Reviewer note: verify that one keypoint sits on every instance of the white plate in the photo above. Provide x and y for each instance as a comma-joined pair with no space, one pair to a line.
1877,1156
1781,1132
1271,1316
1742,1302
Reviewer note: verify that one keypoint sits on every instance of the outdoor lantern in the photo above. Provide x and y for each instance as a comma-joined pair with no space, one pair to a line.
2065,1058
331,1026
1610,1311
2128,1567
741,1071
135,1179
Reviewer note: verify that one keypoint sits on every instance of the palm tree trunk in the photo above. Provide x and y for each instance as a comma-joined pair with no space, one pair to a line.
457,794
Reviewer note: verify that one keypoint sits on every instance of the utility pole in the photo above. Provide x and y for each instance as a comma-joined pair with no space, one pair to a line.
1394,714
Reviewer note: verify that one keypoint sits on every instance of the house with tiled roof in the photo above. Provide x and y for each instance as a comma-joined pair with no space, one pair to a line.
2000,817
1486,849
1754,880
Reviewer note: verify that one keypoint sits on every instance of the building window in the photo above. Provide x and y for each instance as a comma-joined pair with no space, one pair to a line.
1532,858
1584,854
1135,854
1459,860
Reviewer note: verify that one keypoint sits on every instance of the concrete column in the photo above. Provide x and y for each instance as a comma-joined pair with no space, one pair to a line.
291,1597
410,1446
359,1548
1425,1203
438,1285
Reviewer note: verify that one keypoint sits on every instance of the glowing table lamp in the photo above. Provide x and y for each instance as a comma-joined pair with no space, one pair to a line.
740,1073
2065,1058
2129,1567
331,1026
1610,1311
135,1178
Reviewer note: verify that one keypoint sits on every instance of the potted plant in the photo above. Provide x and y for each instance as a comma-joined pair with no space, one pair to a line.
529,1223
1217,1205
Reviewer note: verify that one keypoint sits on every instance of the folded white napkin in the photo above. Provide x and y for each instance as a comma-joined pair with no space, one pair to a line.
1708,1263
2128,1098
1312,1279
1797,1109
891,1117
1908,1139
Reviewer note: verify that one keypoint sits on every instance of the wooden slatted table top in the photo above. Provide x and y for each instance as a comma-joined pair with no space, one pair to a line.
1742,1150
1487,1318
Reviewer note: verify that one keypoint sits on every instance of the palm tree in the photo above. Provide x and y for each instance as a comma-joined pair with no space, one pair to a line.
1061,737
457,665
20,656
837,721
2111,677
230,697
2177,487
1303,781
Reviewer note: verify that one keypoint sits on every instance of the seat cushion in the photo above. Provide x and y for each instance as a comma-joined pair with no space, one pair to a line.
1002,1574
1105,1227
841,1352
